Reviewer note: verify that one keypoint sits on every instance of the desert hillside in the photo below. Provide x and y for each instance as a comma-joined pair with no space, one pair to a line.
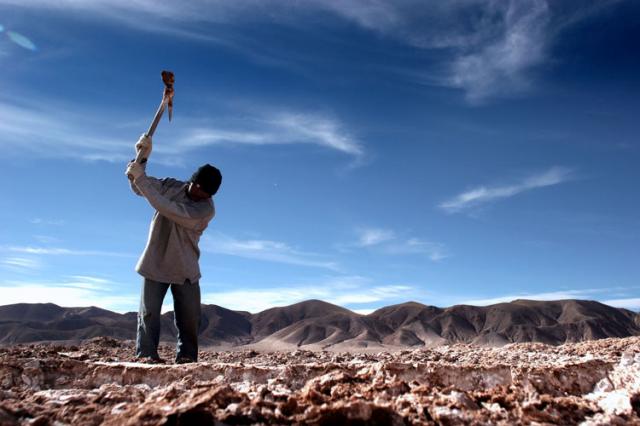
318,325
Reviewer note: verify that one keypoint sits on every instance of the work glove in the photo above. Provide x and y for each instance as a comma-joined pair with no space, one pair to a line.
144,146
134,170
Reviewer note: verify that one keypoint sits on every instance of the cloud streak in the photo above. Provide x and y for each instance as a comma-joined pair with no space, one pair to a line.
434,251
75,292
279,129
71,134
387,241
551,295
632,303
601,295
485,194
265,250
52,222
57,132
61,251
374,236
499,66
343,291
21,263
485,48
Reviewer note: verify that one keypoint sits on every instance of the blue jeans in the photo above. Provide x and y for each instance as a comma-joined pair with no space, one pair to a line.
186,306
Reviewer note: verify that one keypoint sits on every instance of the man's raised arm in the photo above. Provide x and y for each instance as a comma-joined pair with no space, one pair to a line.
192,216
144,146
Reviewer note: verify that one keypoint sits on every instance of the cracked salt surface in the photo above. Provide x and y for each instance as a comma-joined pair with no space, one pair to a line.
614,394
590,383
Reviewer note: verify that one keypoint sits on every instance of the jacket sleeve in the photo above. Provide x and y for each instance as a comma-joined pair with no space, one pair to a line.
159,184
135,189
191,217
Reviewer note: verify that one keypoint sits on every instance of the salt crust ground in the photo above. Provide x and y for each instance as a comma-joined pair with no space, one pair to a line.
591,383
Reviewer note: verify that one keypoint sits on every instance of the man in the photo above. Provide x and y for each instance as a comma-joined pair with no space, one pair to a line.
170,258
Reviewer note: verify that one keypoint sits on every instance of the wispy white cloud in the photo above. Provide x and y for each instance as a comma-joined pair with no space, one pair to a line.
67,293
283,128
57,132
88,282
632,303
21,263
551,295
70,131
427,25
433,250
389,242
256,300
61,251
486,48
499,66
374,294
374,236
46,239
316,129
599,294
343,291
485,194
41,221
126,11
267,250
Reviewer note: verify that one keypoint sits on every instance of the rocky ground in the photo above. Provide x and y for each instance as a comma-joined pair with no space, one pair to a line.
594,382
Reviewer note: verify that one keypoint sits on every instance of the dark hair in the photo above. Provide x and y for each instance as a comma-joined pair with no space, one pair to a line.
208,177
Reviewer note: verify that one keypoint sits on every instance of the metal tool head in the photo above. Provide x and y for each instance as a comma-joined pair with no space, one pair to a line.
168,79
167,101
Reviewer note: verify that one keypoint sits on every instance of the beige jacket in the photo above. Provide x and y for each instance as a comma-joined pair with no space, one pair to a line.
171,254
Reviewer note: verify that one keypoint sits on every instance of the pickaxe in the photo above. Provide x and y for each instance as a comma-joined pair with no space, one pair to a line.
167,101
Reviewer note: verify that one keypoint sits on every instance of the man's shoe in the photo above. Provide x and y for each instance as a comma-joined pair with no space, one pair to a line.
150,360
184,360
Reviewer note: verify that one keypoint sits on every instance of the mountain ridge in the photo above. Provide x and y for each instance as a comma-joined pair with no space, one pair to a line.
315,324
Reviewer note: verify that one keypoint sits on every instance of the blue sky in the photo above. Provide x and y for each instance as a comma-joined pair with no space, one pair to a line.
372,152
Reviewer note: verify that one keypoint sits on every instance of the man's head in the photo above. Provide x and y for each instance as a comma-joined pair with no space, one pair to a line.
205,182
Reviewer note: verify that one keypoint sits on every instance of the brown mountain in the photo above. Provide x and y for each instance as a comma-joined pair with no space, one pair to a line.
552,322
316,324
272,320
219,327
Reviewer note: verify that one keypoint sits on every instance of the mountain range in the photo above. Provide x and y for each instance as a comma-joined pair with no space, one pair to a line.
314,324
